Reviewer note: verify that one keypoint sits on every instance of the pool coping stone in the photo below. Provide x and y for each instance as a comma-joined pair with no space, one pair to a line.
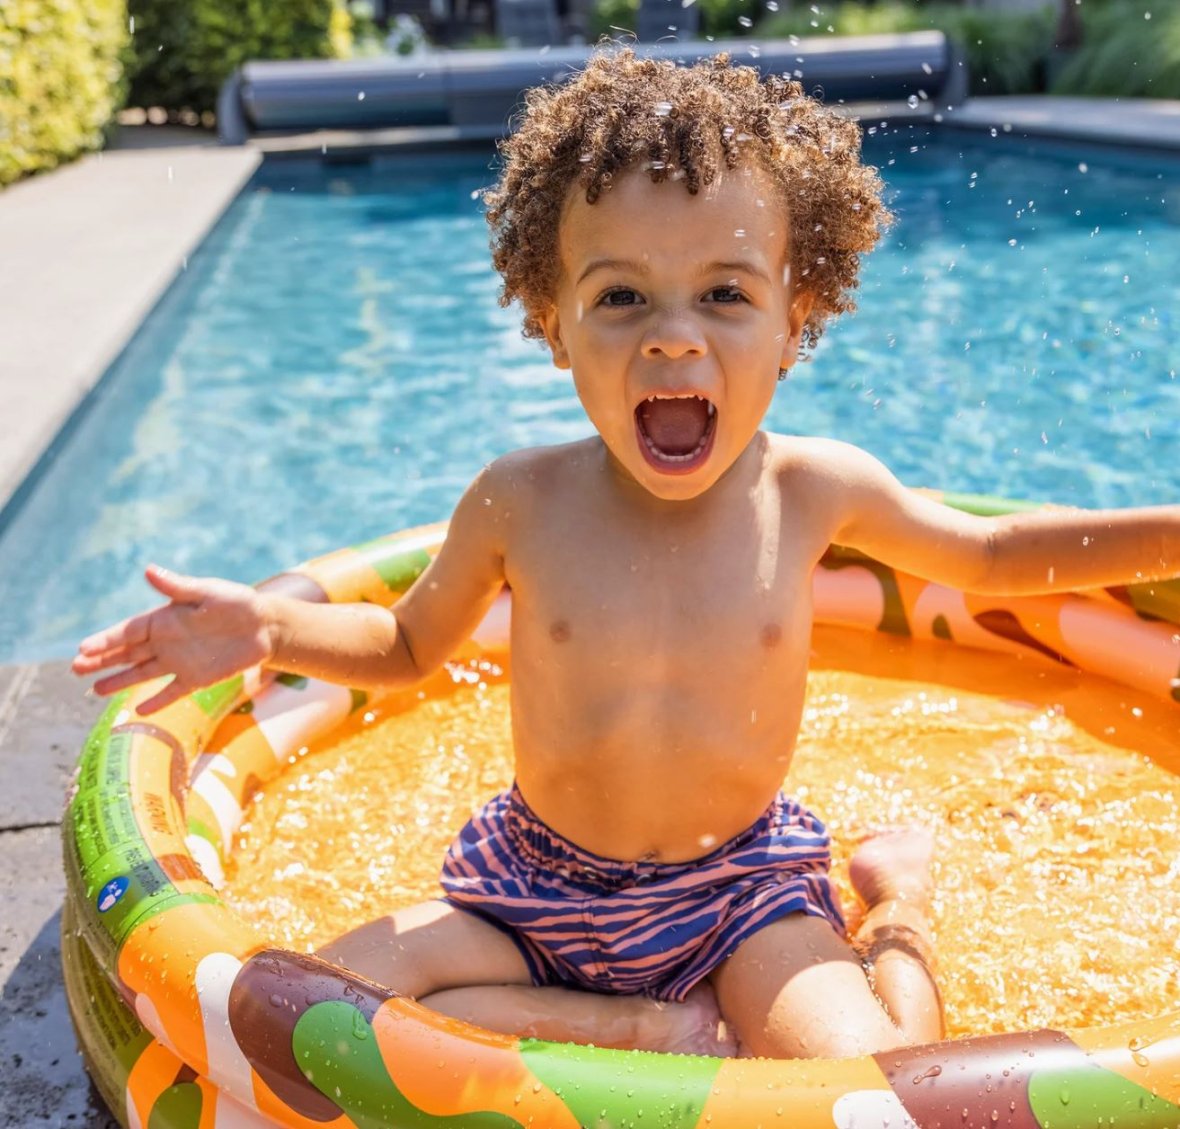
88,250
44,718
1127,122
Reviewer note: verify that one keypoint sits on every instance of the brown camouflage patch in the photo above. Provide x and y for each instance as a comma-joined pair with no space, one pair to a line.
976,1083
1007,626
271,991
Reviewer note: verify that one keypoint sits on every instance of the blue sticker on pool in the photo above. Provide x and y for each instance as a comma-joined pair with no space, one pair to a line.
112,893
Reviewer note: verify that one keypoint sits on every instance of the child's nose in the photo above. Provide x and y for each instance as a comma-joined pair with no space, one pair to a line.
674,334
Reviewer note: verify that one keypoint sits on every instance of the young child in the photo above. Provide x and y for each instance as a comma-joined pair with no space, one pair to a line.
676,236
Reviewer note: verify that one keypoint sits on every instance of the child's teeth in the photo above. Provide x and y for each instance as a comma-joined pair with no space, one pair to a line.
674,458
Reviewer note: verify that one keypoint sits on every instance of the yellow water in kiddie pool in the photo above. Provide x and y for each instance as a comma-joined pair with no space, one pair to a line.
1057,816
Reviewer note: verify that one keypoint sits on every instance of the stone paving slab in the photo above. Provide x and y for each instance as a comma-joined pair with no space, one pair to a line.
45,715
42,1080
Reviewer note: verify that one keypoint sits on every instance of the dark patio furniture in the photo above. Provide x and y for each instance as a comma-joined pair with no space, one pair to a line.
473,93
528,23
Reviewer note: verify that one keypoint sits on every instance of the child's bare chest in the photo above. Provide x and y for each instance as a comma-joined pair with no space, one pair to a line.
735,590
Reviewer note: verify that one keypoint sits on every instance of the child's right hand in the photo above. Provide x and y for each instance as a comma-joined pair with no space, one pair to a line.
210,631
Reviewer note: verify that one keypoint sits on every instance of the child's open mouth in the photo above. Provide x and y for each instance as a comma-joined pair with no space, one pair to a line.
676,432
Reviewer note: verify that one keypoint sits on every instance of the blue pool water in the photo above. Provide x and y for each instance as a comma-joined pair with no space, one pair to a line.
333,365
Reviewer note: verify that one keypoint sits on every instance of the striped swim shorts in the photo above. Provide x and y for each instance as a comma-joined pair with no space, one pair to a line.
595,923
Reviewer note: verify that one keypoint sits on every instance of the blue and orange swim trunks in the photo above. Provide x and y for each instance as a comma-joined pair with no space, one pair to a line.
585,921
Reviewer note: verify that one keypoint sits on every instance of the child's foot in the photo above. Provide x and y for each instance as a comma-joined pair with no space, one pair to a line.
894,865
694,1027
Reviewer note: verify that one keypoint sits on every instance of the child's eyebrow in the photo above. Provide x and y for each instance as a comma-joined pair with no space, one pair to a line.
741,266
612,264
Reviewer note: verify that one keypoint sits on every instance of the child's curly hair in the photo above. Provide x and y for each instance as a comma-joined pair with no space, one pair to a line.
683,123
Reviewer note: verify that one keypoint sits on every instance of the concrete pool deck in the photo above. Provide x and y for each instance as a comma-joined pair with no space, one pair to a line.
87,251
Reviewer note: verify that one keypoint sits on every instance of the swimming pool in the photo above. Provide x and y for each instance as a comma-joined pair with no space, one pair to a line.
333,365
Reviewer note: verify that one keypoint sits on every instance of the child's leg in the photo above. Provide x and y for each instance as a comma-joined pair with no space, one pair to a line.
891,873
693,1027
797,990
461,965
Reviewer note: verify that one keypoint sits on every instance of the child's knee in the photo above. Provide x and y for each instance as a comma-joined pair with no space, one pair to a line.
376,951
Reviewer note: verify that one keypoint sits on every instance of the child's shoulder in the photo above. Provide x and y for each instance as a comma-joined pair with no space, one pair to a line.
545,468
815,458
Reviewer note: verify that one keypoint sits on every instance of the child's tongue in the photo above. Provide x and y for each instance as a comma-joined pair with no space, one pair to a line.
676,426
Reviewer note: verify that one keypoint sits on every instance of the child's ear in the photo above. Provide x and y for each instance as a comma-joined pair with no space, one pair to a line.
797,314
551,324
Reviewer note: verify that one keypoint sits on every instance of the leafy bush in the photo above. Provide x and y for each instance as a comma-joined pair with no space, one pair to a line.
183,52
61,80
1005,51
719,18
610,17
1125,54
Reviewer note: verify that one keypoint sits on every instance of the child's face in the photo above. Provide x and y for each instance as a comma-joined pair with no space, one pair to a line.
684,298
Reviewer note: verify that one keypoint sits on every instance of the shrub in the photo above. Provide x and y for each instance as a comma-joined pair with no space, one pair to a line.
719,18
1005,51
611,18
61,80
183,52
1125,54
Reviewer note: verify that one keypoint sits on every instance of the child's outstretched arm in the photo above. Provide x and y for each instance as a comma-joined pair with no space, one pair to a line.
213,629
1053,550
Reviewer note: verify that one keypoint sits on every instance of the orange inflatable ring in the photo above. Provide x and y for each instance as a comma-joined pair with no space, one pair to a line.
189,1018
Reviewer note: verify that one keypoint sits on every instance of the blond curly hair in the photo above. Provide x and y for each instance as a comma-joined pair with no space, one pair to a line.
683,123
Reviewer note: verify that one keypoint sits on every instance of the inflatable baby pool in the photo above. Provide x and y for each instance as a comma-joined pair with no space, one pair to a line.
190,1018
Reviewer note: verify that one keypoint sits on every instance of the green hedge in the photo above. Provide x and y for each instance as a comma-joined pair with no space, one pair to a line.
1124,54
183,50
61,80
1130,48
719,18
1005,51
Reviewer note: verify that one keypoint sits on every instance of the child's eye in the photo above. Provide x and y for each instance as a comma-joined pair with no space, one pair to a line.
727,295
620,297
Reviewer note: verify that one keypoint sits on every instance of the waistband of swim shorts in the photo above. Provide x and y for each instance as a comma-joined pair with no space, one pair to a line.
542,845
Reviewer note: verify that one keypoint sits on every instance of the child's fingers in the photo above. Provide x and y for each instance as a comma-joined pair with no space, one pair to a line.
132,676
94,661
174,585
131,632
